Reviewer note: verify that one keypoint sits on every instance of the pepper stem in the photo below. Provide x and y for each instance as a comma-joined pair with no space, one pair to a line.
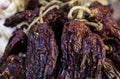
52,2
78,8
37,19
51,8
22,23
98,25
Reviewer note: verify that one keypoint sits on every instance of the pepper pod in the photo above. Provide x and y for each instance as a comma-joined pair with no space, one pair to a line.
83,52
42,51
75,63
13,58
109,31
103,15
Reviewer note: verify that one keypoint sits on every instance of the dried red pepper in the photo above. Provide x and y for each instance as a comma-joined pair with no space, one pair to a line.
16,44
82,52
27,15
104,15
42,53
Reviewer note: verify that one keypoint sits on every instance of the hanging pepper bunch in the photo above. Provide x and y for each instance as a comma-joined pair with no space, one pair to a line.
62,40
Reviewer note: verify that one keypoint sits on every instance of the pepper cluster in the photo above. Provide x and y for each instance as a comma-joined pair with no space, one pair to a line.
62,40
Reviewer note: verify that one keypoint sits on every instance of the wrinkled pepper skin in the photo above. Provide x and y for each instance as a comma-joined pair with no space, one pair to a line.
104,15
27,15
42,53
82,52
13,68
110,32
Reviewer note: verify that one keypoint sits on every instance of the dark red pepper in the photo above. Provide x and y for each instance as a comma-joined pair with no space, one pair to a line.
82,52
42,53
16,44
27,15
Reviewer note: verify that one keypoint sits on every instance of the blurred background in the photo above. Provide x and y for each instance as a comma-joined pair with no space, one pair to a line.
116,7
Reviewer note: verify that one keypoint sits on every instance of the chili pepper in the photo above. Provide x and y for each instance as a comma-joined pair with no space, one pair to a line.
82,52
109,26
42,52
16,44
27,15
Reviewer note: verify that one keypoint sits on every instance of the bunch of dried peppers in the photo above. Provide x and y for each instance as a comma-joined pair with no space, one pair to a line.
62,40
